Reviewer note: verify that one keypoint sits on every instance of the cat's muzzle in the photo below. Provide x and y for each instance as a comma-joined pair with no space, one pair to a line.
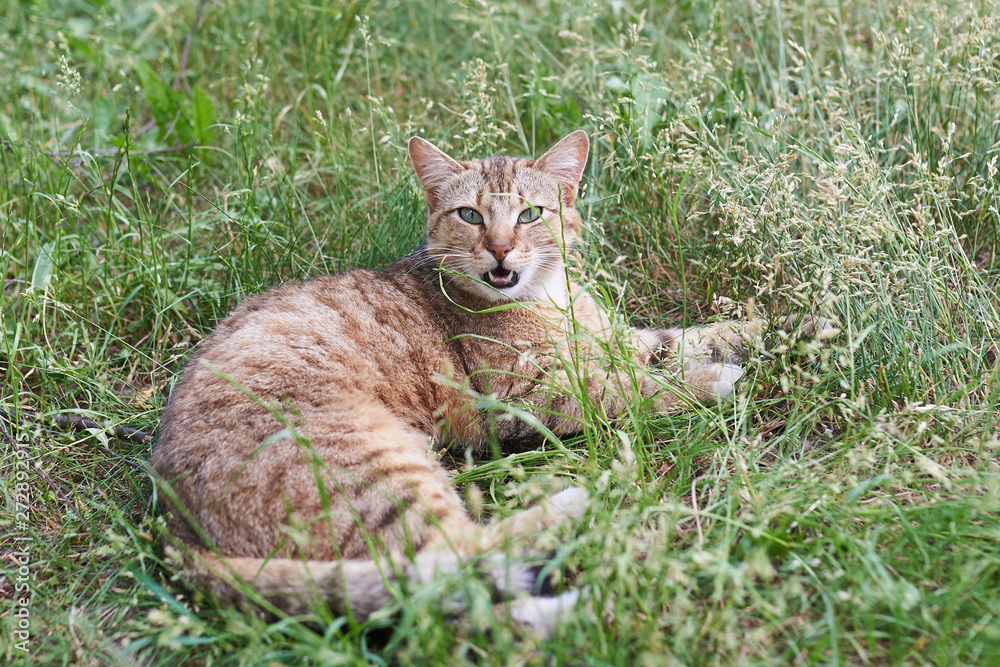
501,278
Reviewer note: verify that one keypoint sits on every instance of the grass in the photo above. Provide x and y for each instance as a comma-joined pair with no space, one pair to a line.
835,158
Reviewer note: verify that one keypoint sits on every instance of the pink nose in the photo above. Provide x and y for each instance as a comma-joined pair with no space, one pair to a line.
500,251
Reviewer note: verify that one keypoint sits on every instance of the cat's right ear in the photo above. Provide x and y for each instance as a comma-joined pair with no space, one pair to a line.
434,167
565,162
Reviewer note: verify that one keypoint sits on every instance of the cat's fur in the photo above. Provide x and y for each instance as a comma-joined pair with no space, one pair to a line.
297,445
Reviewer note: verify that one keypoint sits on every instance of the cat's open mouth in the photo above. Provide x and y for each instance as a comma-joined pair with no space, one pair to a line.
501,278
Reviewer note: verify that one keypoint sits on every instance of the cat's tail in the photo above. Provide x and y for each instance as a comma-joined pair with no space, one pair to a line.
363,586
287,585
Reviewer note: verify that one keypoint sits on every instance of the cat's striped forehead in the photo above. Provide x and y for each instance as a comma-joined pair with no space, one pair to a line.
498,172
502,184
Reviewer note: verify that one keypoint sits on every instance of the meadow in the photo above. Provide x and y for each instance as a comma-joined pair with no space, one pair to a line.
160,161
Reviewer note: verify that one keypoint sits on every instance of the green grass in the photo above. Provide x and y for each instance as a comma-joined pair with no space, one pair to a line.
833,158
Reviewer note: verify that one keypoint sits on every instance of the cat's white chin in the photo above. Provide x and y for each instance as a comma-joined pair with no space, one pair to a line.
497,293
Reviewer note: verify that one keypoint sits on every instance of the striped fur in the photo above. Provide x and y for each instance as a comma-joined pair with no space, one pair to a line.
296,450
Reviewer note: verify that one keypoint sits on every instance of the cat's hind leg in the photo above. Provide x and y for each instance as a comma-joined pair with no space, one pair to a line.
534,606
561,507
542,615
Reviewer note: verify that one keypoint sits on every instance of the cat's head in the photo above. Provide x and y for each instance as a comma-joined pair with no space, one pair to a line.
501,226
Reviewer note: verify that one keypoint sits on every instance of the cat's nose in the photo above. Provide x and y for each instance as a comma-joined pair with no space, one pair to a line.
500,251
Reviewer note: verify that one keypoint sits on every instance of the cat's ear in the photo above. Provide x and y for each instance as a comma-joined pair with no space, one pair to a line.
434,168
565,162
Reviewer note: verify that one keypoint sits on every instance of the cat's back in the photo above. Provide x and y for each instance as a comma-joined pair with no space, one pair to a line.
332,341
333,319
328,312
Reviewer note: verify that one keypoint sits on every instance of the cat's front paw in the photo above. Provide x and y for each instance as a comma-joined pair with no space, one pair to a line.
712,381
723,343
543,615
728,374
568,504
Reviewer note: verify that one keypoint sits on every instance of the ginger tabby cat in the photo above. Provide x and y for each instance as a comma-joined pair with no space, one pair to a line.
295,449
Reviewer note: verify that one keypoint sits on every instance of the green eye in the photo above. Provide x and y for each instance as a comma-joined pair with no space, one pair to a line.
528,215
471,216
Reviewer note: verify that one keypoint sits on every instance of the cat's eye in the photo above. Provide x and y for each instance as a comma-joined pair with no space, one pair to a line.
528,215
471,216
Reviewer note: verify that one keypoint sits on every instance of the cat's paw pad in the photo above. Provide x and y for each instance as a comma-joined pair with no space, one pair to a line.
726,382
569,503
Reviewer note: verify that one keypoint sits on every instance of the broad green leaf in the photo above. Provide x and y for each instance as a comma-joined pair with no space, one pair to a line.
171,111
183,127
157,95
203,113
41,276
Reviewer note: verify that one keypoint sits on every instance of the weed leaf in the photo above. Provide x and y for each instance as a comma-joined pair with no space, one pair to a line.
203,112
41,276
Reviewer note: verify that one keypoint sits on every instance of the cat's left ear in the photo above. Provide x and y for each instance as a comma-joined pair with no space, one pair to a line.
434,167
565,162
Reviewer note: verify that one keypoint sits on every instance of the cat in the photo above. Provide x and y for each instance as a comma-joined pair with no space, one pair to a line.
296,451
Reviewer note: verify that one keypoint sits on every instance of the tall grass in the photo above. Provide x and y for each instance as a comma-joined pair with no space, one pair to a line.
836,159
